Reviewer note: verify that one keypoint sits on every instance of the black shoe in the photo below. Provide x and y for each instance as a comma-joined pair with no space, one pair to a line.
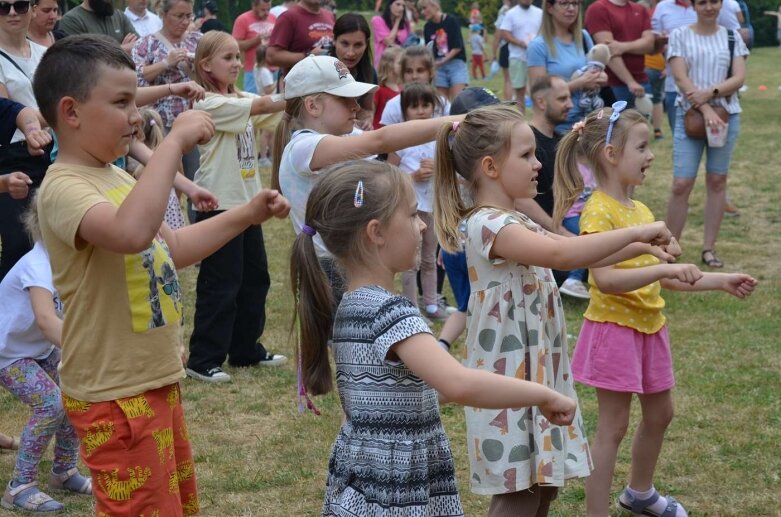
212,375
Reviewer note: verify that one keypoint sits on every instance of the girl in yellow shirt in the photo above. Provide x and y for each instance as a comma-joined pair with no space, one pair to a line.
623,347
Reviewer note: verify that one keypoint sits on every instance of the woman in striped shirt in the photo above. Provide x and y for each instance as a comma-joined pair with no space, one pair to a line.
706,76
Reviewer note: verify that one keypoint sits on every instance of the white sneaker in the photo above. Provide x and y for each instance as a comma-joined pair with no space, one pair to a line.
575,289
442,302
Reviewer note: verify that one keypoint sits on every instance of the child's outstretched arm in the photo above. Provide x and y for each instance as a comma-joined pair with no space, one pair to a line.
519,244
265,104
477,388
189,89
131,227
612,280
334,149
739,285
45,316
192,243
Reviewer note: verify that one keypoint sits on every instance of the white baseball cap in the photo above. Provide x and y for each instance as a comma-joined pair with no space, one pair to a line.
323,74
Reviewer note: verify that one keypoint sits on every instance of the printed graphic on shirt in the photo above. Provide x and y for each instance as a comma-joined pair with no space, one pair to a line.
322,34
440,41
245,146
264,28
153,290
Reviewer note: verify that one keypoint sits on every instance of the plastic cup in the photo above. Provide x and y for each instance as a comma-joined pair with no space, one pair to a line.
717,135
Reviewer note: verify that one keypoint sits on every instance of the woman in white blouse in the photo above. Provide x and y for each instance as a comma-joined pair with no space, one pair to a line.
707,77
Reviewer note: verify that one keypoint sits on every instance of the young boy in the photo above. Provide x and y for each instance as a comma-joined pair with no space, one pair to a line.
114,264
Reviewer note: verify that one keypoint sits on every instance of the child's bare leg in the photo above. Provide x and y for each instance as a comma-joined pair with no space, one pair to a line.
657,410
453,327
612,423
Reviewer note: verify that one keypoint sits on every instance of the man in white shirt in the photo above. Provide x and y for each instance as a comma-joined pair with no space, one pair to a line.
519,26
143,20
281,8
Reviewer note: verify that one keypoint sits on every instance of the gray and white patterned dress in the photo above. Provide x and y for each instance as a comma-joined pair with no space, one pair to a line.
391,456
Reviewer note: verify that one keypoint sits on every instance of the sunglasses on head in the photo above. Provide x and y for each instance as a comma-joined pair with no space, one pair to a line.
20,7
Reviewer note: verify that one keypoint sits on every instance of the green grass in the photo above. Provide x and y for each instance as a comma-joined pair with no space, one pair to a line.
256,455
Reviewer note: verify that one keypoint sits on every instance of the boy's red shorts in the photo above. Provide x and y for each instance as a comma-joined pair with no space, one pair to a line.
138,452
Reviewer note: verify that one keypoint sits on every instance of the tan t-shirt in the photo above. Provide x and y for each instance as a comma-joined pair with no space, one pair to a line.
123,313
229,162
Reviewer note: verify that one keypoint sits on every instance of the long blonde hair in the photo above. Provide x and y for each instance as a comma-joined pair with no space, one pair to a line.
389,69
208,46
548,31
484,132
587,141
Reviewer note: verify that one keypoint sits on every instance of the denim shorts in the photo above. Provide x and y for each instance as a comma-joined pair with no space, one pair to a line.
687,152
451,73
622,93
656,81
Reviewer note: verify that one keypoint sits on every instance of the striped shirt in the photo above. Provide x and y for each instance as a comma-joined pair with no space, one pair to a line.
668,16
707,61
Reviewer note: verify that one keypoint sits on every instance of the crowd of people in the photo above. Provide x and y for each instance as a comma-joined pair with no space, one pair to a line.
386,162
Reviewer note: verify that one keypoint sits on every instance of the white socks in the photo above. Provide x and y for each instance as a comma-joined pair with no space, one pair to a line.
659,506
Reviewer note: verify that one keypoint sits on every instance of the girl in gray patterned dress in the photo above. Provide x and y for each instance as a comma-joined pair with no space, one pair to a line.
391,456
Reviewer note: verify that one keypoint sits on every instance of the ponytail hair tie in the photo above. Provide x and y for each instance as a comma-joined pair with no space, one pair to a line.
578,127
152,122
308,230
456,124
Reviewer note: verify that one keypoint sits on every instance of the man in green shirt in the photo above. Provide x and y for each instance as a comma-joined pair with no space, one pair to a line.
100,17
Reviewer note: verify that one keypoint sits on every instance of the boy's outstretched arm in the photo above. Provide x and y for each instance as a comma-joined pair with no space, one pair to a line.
192,243
131,227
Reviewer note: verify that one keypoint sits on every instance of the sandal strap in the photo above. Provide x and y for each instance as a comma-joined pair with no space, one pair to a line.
18,489
59,481
639,505
672,508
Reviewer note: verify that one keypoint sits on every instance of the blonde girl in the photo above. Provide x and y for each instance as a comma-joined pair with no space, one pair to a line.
391,456
321,110
623,347
390,82
234,281
417,66
515,322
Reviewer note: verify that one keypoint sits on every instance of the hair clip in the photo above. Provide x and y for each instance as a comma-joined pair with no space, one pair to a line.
305,228
618,107
358,198
600,114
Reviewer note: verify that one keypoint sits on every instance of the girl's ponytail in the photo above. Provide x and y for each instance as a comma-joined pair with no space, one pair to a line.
448,206
313,310
567,180
282,134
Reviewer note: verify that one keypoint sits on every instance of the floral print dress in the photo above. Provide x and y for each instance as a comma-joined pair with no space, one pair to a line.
516,327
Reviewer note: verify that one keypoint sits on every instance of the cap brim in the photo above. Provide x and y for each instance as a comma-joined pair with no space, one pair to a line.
353,89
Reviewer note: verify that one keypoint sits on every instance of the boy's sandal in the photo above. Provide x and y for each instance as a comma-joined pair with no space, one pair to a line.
28,497
8,443
712,260
641,506
71,481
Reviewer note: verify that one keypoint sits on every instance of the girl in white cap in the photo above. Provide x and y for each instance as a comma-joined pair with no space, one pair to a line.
321,110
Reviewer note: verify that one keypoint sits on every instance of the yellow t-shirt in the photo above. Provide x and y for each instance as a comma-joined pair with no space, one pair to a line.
123,313
640,309
655,61
229,161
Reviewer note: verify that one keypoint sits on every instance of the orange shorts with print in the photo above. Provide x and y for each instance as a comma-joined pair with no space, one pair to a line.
138,453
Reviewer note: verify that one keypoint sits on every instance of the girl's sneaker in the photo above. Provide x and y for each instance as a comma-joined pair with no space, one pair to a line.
70,481
29,498
575,288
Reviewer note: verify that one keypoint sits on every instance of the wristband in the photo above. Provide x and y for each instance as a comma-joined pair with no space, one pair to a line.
170,90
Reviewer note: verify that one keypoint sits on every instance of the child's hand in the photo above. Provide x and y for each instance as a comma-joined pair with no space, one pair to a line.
560,410
673,248
37,139
739,285
656,233
18,184
203,200
660,253
686,273
190,89
425,171
191,128
268,203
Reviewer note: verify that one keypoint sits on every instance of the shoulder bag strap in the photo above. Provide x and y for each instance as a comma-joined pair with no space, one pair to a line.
16,65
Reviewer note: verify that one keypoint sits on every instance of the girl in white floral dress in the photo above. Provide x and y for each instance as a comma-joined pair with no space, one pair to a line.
515,319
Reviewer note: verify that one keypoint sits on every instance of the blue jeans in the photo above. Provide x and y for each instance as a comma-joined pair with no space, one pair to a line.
622,93
670,108
572,224
249,82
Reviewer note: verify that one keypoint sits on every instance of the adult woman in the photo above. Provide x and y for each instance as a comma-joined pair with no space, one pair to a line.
707,77
390,29
165,57
45,16
560,50
351,47
18,61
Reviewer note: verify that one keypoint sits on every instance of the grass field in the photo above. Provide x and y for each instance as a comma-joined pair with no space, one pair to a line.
257,456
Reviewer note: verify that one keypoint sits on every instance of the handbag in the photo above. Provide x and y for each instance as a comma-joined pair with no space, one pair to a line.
693,120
